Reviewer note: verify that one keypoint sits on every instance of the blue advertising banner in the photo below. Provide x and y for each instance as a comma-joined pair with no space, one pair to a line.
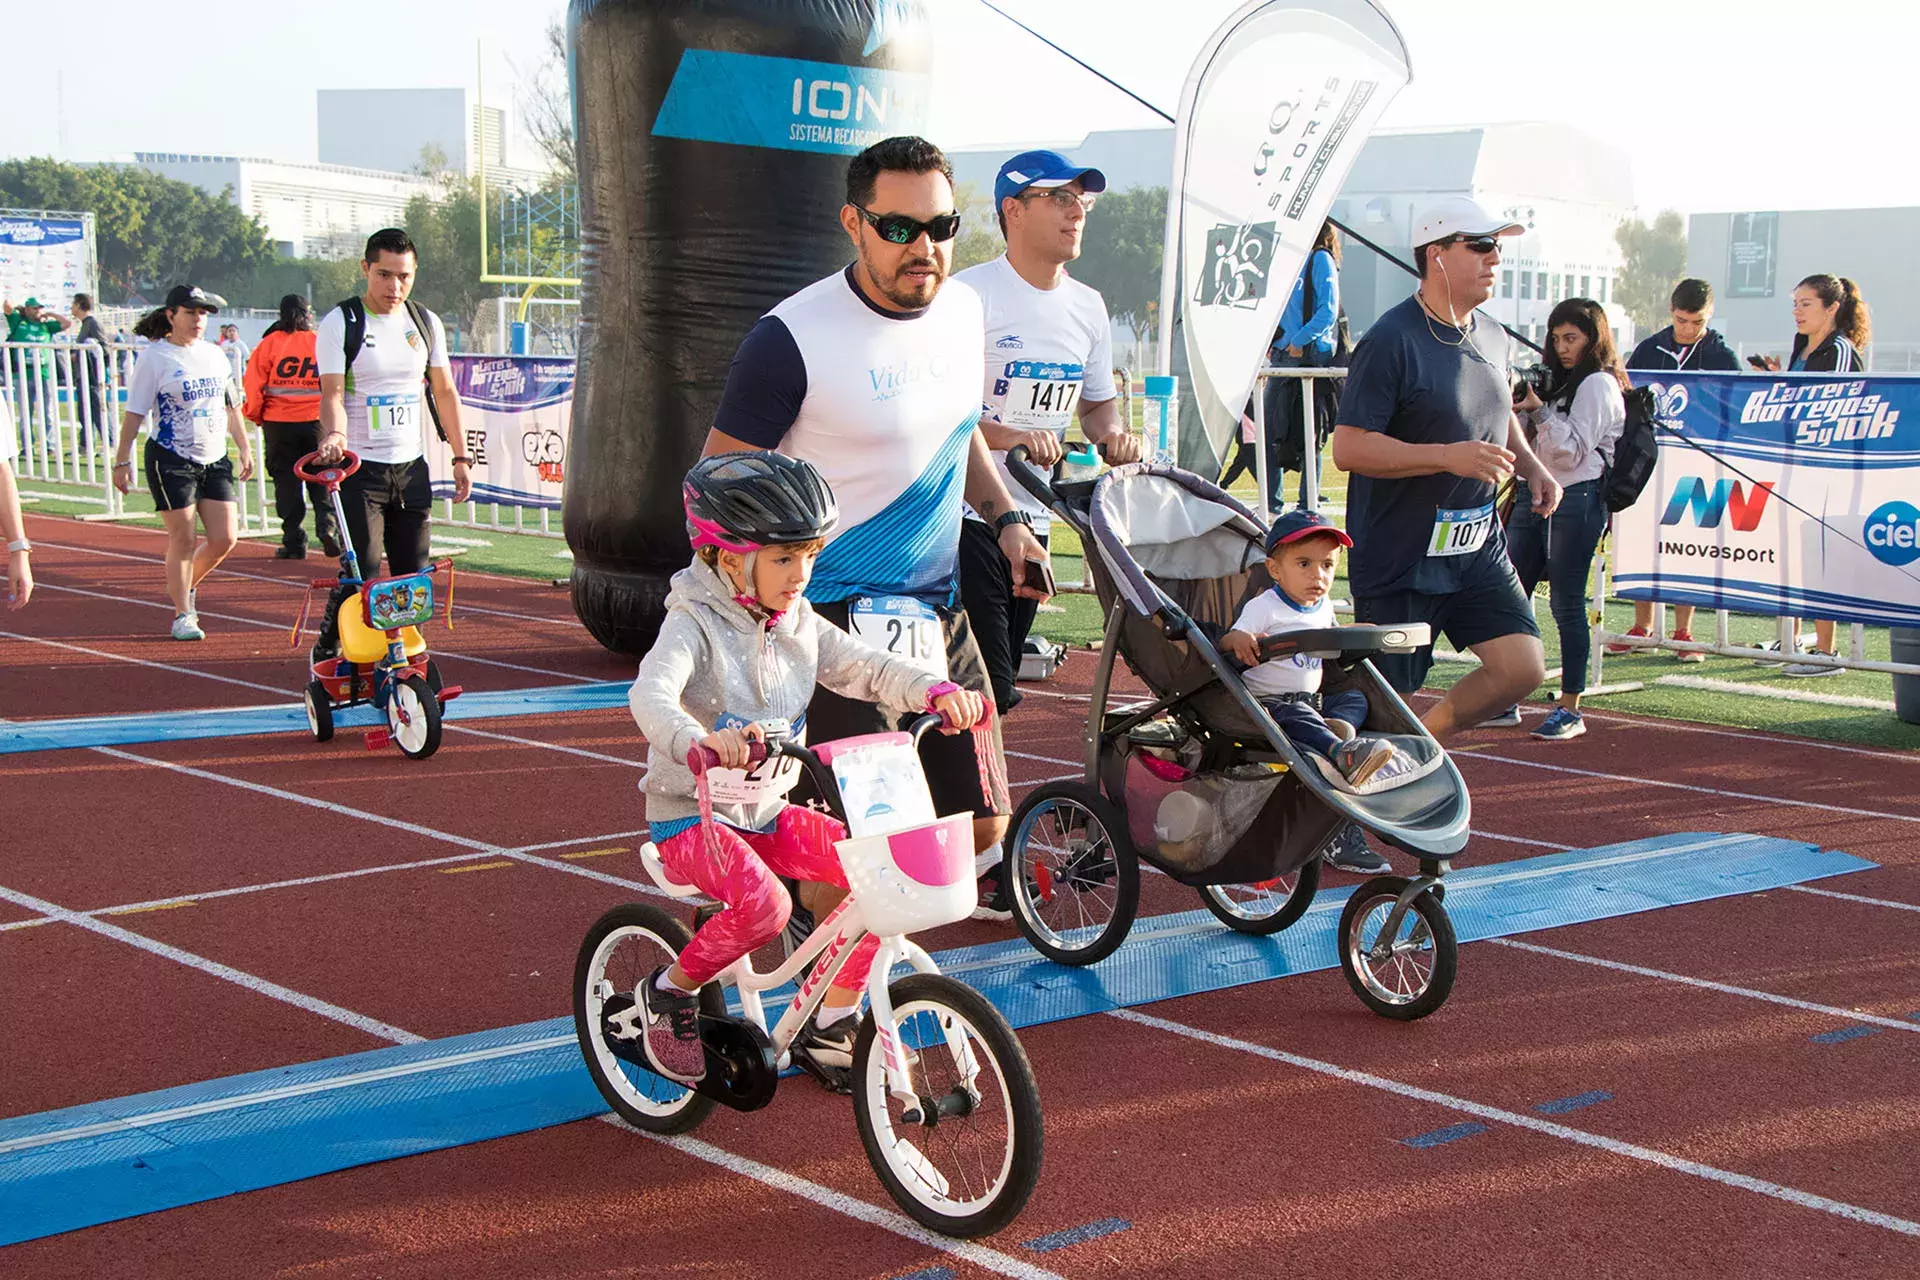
789,104
1781,494
45,258
516,413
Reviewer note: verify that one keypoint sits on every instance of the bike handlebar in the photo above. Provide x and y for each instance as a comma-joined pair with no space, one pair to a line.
332,473
700,759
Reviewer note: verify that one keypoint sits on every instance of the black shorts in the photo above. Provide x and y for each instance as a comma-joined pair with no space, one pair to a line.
1489,604
953,774
176,483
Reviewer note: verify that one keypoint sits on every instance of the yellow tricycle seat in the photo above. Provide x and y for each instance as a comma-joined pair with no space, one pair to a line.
361,645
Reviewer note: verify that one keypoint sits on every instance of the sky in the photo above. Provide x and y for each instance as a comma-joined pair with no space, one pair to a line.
1721,104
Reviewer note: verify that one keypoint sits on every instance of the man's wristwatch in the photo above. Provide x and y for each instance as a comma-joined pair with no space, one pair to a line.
1015,516
19,544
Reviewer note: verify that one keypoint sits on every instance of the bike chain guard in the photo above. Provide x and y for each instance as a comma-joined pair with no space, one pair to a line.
742,1069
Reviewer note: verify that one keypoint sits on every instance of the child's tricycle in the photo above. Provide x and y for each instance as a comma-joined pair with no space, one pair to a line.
382,656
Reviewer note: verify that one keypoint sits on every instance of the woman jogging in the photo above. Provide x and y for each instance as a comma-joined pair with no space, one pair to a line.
186,385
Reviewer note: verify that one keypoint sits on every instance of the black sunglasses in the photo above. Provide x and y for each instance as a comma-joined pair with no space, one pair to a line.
1479,244
898,228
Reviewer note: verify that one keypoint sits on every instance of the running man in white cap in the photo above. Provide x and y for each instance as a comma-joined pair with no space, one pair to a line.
1426,428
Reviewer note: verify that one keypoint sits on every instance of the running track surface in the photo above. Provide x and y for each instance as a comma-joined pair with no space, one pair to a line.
1260,1131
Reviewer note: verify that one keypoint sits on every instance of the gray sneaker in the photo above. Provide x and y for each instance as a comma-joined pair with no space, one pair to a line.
1811,670
1349,852
672,1040
1508,719
1360,758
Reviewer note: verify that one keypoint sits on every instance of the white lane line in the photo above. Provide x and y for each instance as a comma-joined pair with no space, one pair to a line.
139,662
549,746
1832,1011
328,878
1855,897
275,626
839,1202
258,985
1518,1120
1688,786
290,582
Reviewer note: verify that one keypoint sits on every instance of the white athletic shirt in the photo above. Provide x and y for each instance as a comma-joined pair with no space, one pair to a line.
386,389
1047,350
884,404
183,392
1271,613
9,440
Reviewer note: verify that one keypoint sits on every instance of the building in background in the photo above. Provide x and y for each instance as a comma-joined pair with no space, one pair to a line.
1754,259
309,210
1569,189
393,129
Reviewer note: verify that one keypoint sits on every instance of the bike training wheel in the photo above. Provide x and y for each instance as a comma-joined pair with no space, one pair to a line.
319,711
1268,906
620,952
1076,879
970,1171
1417,975
413,717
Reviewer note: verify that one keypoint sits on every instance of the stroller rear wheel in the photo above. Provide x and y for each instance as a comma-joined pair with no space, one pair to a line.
1076,879
1267,906
1406,975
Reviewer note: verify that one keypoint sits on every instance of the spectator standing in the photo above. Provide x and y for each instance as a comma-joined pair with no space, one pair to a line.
283,396
1831,324
1312,335
1685,345
90,372
1573,431
31,323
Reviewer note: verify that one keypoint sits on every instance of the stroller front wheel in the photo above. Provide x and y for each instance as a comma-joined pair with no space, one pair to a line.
1265,907
1410,974
1076,879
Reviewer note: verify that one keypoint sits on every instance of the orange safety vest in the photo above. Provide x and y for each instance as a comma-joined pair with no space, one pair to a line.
283,379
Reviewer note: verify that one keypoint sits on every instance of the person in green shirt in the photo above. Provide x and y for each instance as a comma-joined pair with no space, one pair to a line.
30,323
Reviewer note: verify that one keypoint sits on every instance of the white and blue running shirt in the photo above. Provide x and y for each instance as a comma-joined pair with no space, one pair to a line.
884,404
1273,613
183,393
1048,349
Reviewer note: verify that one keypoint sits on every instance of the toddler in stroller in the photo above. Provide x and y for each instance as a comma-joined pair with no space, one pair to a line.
1303,552
1201,781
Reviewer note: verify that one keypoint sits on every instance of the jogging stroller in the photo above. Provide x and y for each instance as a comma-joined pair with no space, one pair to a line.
1199,781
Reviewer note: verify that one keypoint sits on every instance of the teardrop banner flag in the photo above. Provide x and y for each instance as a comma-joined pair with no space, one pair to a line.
1274,112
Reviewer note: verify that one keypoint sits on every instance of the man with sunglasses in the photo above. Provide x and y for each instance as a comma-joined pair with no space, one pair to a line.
1427,431
873,375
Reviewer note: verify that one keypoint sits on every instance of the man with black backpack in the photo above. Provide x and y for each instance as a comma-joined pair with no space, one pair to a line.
383,364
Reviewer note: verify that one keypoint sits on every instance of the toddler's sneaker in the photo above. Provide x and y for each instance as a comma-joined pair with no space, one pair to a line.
1361,758
1686,655
1561,724
1341,729
672,1040
1627,648
826,1053
186,626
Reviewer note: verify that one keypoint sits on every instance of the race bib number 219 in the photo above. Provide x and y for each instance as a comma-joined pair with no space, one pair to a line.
903,628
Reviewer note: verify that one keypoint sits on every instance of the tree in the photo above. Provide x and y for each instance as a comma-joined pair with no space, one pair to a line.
1120,254
979,239
1655,260
546,104
151,232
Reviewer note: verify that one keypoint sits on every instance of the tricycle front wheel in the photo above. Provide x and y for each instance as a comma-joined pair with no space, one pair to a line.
413,717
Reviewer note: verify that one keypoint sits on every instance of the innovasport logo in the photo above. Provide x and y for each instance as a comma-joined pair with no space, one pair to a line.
1893,533
1709,505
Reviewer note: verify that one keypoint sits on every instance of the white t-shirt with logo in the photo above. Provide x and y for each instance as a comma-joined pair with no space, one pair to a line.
387,413
1047,350
1270,614
183,393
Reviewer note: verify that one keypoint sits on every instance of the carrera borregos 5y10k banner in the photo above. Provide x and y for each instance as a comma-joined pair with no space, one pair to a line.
713,139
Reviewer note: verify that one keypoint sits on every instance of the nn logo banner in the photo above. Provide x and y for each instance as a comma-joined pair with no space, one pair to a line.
1708,505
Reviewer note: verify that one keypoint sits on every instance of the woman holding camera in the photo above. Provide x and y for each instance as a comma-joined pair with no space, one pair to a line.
1573,417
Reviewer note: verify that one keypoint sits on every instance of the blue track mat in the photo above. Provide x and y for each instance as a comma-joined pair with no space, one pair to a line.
61,1170
291,718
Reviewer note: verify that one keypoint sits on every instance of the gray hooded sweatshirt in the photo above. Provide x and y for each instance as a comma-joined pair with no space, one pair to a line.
717,657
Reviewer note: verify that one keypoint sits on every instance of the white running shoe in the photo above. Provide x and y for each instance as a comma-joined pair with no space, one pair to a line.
186,626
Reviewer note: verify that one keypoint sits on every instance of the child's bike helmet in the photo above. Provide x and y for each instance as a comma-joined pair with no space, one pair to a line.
742,502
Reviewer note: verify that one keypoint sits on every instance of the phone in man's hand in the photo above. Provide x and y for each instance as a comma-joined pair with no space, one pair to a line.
1758,362
1040,576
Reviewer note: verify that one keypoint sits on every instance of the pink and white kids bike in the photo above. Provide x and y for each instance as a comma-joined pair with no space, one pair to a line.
943,1095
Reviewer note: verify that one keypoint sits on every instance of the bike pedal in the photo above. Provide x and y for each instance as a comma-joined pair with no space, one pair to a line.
833,1079
378,739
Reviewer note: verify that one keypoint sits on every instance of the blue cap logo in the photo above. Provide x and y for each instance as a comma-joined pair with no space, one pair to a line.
1043,169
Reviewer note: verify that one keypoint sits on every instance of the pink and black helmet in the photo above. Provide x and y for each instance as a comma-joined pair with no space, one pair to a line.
742,502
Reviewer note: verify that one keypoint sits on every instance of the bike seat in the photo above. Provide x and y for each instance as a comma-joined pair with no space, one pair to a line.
650,859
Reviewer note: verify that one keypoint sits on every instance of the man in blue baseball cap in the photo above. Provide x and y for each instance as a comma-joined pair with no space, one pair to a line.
1049,362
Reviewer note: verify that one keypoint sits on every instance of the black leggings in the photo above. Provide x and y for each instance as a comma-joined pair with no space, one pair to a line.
1000,619
287,443
387,505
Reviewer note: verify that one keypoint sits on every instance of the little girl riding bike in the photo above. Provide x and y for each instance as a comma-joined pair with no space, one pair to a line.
737,659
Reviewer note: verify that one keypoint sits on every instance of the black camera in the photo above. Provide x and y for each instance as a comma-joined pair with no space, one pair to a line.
1539,377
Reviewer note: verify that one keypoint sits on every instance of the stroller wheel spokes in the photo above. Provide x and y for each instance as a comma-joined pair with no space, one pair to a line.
1265,907
1076,881
1405,974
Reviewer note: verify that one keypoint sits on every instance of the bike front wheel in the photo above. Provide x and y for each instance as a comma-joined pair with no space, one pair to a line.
963,1157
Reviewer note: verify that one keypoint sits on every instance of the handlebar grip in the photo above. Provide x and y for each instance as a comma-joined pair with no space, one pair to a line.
700,759
338,471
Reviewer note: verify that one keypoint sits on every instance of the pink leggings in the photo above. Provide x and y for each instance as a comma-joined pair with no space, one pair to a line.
746,876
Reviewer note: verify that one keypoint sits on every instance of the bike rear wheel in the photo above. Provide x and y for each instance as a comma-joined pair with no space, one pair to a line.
621,951
964,1157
